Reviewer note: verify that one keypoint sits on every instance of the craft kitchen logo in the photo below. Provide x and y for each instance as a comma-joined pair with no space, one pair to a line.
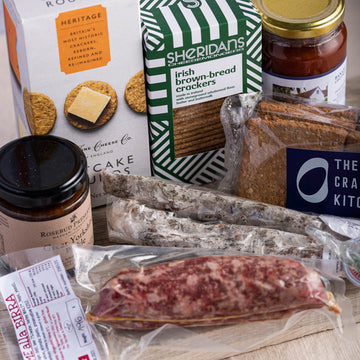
324,182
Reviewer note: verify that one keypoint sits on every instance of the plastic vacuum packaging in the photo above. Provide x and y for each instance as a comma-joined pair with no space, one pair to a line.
130,222
41,316
210,290
178,302
150,211
196,300
347,251
293,152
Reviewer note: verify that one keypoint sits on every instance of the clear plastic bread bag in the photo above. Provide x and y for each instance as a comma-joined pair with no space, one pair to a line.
280,148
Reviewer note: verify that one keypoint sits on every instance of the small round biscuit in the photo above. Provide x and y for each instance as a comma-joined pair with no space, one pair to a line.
40,112
109,111
135,94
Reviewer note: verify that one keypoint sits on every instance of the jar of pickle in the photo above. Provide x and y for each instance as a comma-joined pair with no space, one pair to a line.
44,196
304,48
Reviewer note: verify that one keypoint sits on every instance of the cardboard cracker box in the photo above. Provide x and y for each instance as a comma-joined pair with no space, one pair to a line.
196,54
76,69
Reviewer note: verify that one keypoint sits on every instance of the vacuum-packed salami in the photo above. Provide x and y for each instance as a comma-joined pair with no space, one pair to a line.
210,290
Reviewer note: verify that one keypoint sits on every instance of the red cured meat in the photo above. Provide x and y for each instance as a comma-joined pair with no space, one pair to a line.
210,290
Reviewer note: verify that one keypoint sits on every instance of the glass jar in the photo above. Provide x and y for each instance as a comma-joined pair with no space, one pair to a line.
44,195
304,48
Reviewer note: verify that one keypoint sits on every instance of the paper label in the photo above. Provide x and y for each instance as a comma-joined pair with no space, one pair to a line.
195,84
324,182
83,39
73,228
47,316
329,87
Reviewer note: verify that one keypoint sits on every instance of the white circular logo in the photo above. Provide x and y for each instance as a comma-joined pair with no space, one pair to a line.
309,165
191,4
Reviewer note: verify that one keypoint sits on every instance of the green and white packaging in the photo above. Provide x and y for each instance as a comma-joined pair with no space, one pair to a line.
196,54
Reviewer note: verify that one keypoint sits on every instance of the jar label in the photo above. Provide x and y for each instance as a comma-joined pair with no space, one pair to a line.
74,228
329,87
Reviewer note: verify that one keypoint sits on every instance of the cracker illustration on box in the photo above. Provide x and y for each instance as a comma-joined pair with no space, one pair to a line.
40,112
90,105
135,94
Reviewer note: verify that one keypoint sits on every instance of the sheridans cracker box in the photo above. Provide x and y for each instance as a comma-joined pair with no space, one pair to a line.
196,54
77,72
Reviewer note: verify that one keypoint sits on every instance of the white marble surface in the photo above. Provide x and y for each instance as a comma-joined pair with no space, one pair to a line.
7,118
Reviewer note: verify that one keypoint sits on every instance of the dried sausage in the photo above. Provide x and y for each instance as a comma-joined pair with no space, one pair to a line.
210,290
135,223
203,204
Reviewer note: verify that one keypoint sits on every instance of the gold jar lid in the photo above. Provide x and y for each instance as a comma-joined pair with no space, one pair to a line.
300,19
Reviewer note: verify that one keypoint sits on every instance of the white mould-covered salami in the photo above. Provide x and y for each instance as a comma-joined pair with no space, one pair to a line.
210,290
203,204
135,223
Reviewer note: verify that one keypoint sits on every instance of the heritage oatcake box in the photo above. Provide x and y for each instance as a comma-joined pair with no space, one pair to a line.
196,54
77,72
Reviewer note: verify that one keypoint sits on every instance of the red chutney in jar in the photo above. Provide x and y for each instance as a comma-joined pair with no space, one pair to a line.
304,48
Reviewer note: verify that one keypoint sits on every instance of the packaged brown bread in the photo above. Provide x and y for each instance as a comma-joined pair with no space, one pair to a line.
293,152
